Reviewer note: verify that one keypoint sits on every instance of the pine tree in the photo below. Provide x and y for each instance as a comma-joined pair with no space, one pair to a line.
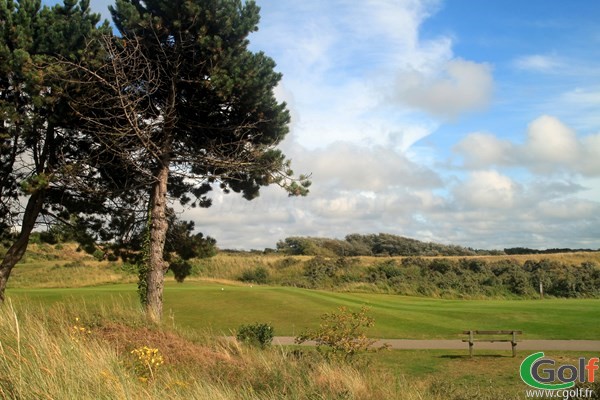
184,106
38,136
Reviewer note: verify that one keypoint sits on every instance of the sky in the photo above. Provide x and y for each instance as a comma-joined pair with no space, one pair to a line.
454,121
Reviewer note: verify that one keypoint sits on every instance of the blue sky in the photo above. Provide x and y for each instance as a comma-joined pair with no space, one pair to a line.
457,121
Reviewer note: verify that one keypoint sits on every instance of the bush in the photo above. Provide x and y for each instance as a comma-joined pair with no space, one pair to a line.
384,271
258,275
98,255
258,335
320,271
341,335
181,269
287,262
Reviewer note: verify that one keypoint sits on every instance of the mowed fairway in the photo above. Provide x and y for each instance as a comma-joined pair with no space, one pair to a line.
221,308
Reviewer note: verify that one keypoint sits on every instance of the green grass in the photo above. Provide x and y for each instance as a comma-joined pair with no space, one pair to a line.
204,305
44,355
453,375
43,283
61,266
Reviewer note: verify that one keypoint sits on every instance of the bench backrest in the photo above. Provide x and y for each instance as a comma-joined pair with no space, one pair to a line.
493,332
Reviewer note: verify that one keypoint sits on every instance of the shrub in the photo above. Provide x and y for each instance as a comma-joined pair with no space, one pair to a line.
258,335
258,275
128,268
384,271
181,269
320,270
98,254
341,336
286,262
441,265
519,281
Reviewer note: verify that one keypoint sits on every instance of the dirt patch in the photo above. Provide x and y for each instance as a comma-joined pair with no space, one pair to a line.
174,348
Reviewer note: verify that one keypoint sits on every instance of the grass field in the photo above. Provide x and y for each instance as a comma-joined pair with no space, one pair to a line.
203,309
56,285
222,307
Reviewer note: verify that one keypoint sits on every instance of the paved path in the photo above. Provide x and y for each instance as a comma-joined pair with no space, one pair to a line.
457,344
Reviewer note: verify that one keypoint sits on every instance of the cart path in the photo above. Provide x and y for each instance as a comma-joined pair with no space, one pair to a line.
458,344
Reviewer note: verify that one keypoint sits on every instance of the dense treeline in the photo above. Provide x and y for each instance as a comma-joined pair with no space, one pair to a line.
438,277
381,244
476,277
525,250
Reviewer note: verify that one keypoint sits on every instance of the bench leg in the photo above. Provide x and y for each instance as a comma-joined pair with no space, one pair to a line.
470,343
514,349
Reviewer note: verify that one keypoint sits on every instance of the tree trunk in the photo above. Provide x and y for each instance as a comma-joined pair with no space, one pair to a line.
155,278
18,248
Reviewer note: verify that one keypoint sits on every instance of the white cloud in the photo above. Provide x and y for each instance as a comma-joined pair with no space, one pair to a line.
550,147
342,62
398,19
538,63
570,209
486,190
465,86
542,214
350,167
590,155
550,143
481,150
580,105
586,97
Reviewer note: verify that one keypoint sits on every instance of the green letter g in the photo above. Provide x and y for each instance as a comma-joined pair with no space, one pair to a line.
527,375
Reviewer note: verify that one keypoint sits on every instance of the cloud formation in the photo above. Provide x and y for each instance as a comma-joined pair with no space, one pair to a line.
486,190
538,63
550,146
464,86
350,167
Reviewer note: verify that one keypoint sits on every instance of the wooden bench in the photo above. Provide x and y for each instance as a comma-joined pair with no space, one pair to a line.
492,336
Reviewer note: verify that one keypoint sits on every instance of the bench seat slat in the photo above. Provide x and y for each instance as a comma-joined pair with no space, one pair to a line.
492,336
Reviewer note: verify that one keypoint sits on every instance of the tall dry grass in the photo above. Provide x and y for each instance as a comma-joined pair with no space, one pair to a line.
65,353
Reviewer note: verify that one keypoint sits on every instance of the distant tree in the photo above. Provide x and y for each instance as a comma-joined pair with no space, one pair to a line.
183,105
181,245
381,244
358,246
311,246
40,146
74,230
292,246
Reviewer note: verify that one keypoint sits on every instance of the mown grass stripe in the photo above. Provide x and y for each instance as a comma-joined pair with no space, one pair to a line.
199,305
